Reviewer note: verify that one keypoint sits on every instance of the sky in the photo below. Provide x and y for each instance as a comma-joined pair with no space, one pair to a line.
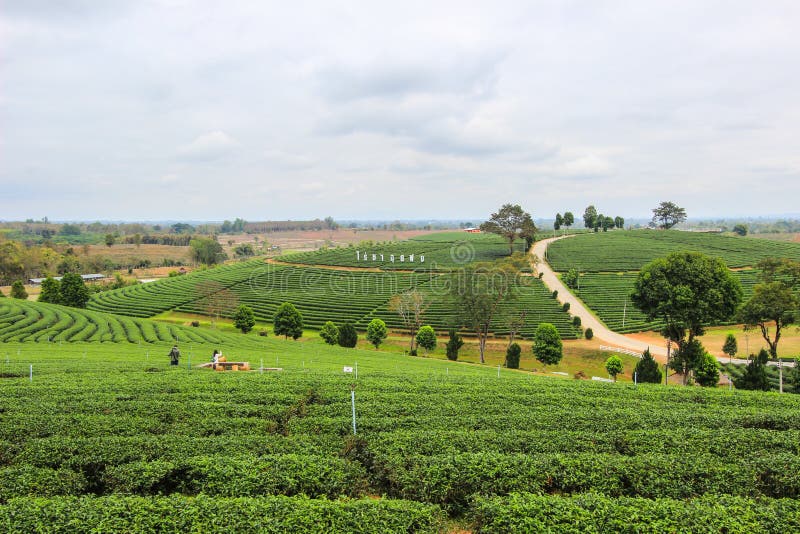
196,110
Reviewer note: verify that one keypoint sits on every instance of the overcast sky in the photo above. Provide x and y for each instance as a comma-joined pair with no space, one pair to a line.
179,109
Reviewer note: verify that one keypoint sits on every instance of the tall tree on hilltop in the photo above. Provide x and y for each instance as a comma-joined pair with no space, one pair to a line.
411,307
667,215
511,222
569,219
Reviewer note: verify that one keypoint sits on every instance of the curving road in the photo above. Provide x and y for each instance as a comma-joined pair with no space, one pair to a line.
578,309
588,320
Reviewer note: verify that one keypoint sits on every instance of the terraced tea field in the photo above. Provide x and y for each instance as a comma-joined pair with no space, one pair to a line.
320,295
108,440
629,250
431,252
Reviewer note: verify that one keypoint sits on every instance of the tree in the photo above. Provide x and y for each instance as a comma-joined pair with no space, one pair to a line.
348,337
513,353
686,290
730,347
667,215
51,291
329,333
558,222
547,346
707,371
207,251
606,222
569,219
740,229
288,321
571,278
510,222
244,319
647,369
478,290
426,338
590,217
619,222
411,307
74,291
772,304
18,290
376,332
70,229
245,250
755,374
454,344
614,366
110,240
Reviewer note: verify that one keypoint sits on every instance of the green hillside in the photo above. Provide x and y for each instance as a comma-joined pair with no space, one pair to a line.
320,295
105,438
629,250
437,251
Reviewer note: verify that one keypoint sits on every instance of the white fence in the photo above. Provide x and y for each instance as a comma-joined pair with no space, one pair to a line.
621,351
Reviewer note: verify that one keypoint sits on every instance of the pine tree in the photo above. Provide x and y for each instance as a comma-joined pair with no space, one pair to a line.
647,369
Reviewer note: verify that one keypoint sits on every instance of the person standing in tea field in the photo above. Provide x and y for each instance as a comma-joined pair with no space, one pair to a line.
174,355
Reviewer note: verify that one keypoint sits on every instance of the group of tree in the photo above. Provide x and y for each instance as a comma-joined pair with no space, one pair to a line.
596,221
235,227
69,291
207,251
568,219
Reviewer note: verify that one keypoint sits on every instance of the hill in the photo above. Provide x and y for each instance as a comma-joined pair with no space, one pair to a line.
629,250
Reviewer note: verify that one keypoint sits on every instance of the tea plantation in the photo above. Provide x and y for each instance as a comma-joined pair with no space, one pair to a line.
320,294
437,251
629,250
109,437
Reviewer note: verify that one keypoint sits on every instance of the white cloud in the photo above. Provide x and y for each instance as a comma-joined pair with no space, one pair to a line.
208,146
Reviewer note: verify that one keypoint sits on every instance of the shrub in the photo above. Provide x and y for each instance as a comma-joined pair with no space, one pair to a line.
454,344
588,334
263,332
376,332
565,307
647,369
329,333
195,323
576,321
348,337
426,338
513,352
555,293
18,290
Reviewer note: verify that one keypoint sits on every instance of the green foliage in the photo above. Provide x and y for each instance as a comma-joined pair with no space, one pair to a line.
569,219
558,222
329,333
70,229
244,319
454,344
755,374
740,229
288,322
687,358
376,332
576,321
207,251
570,279
686,290
647,369
510,222
590,217
244,250
529,512
109,240
565,307
707,371
667,214
547,346
730,347
589,334
426,338
513,353
348,337
773,303
18,290
614,366
73,291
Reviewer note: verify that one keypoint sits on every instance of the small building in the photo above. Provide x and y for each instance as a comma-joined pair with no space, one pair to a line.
472,230
95,277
